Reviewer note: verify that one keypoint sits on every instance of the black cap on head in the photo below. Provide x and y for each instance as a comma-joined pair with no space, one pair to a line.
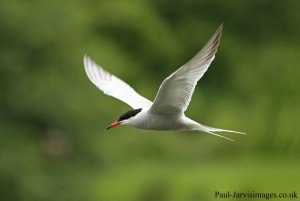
129,114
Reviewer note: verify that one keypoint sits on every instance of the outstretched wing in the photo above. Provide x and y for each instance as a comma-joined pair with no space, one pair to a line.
113,86
176,91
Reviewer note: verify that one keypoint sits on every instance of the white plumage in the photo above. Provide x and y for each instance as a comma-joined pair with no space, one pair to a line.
172,99
113,86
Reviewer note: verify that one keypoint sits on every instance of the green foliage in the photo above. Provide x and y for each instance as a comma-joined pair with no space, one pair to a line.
53,146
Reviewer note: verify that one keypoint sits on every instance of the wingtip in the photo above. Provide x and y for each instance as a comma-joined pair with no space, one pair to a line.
85,57
87,61
220,28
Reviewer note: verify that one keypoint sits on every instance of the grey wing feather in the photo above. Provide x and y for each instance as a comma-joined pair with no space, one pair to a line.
176,90
113,86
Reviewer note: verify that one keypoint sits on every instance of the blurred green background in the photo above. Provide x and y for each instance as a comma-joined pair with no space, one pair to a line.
53,145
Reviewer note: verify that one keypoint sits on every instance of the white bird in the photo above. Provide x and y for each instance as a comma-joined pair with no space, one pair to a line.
166,112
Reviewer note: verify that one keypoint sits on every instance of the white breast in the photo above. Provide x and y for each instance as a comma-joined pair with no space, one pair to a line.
150,121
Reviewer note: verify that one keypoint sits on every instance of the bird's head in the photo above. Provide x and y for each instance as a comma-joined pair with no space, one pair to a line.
125,118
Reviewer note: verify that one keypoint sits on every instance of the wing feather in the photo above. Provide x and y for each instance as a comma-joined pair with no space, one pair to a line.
176,90
113,86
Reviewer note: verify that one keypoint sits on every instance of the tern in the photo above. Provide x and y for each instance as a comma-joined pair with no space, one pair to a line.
166,112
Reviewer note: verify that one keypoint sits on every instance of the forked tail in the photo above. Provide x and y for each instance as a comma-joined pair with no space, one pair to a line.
211,130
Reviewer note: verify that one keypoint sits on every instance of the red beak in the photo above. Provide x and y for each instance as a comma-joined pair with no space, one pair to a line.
117,123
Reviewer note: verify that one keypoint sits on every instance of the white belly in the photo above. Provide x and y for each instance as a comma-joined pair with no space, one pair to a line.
150,121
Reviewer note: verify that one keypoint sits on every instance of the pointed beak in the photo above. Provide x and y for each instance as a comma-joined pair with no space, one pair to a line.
117,123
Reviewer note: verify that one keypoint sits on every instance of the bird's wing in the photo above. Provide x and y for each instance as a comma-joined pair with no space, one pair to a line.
176,91
113,86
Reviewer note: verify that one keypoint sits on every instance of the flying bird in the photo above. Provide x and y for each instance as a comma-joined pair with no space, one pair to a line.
166,112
